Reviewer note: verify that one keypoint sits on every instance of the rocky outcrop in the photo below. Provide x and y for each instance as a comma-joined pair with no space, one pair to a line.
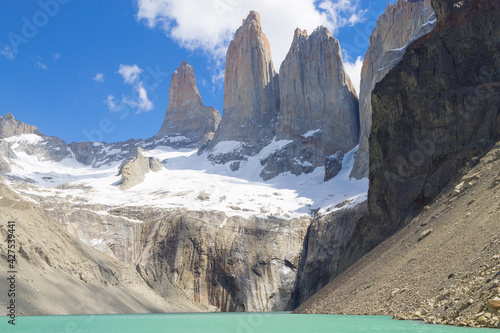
327,237
39,145
251,90
318,105
436,111
6,154
401,23
133,171
9,126
231,263
186,114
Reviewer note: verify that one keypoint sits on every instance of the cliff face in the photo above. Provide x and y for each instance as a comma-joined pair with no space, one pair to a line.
442,268
437,110
11,127
186,114
251,93
231,263
401,23
59,270
318,105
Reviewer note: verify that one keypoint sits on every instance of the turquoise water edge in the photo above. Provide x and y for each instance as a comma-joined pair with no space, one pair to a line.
221,323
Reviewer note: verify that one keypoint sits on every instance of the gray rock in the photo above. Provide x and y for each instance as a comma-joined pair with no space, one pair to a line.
401,23
318,103
333,165
133,171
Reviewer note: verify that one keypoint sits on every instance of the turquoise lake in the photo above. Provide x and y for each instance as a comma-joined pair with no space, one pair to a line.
223,322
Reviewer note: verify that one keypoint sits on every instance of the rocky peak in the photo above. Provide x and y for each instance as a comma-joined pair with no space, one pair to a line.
318,105
400,24
9,126
186,114
251,94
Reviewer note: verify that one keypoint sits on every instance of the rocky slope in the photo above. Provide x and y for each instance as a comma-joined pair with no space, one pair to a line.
318,105
251,90
401,23
58,274
442,268
186,114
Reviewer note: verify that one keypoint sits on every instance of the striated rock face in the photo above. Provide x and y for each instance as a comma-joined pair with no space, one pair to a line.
186,114
251,93
400,24
318,105
134,171
231,263
436,111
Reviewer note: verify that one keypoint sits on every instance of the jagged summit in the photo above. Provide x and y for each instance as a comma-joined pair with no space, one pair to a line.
186,114
9,126
318,105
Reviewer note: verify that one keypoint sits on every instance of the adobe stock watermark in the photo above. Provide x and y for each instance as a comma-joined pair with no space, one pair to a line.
31,26
151,80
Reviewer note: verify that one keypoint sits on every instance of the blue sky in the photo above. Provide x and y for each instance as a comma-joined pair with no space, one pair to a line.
100,70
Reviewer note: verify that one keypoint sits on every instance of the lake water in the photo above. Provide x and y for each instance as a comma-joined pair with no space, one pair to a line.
223,322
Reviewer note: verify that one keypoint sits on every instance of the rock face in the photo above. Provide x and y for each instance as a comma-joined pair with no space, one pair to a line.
400,24
449,277
39,145
318,105
186,114
73,278
11,127
327,237
436,111
231,263
251,90
134,171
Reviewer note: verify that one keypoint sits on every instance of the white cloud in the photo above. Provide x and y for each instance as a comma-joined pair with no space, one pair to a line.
8,52
144,104
354,72
110,102
57,56
99,77
40,65
138,99
210,25
130,73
